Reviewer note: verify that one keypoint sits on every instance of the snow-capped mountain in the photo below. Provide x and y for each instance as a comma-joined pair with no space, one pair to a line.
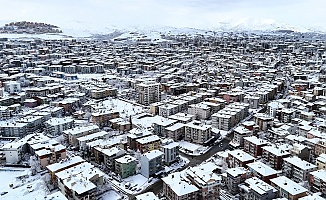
251,24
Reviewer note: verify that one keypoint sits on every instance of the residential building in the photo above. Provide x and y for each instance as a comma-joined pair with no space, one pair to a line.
161,125
102,117
321,161
5,113
263,121
300,151
223,121
106,156
125,166
288,189
262,171
234,177
50,155
273,156
256,189
151,163
149,92
148,143
14,129
317,181
80,182
62,165
239,158
200,111
320,147
82,141
71,135
176,131
167,110
182,117
170,150
197,133
176,187
239,133
56,126
134,135
253,145
205,179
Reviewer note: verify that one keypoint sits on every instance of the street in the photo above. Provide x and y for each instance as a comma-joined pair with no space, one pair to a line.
196,160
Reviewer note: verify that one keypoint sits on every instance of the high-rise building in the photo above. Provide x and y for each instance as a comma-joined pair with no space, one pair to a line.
149,92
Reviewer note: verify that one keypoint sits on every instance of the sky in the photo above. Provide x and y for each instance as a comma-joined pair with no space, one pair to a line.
204,14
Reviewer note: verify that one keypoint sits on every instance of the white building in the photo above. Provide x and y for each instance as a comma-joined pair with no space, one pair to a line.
151,163
12,87
297,169
55,126
167,110
287,188
82,141
198,133
200,111
170,150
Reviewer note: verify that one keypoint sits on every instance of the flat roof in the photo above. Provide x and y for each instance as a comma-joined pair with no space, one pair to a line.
178,184
288,185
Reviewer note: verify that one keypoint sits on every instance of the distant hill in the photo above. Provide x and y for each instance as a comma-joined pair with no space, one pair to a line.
29,27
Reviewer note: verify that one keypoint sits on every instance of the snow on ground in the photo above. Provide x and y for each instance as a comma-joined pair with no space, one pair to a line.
137,183
177,165
147,121
33,36
124,108
19,191
221,132
192,149
111,195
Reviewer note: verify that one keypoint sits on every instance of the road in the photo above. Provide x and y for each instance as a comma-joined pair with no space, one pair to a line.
196,160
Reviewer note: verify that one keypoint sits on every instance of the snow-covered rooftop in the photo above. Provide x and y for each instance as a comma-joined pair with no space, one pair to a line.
288,185
65,163
179,184
241,155
262,168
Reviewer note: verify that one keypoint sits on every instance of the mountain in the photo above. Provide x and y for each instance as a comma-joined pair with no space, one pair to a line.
251,24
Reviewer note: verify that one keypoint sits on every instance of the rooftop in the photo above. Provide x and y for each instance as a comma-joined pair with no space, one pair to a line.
288,185
262,169
179,184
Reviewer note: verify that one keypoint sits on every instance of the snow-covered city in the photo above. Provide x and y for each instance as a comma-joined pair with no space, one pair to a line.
232,112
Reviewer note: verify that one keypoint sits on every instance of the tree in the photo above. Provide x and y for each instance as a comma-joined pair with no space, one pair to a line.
35,165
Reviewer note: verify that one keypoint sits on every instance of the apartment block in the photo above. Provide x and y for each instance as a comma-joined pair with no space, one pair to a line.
253,145
148,143
197,133
149,92
151,163
239,158
273,156
56,126
125,166
288,189
175,187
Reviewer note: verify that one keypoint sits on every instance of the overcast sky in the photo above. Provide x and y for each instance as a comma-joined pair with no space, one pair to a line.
176,13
